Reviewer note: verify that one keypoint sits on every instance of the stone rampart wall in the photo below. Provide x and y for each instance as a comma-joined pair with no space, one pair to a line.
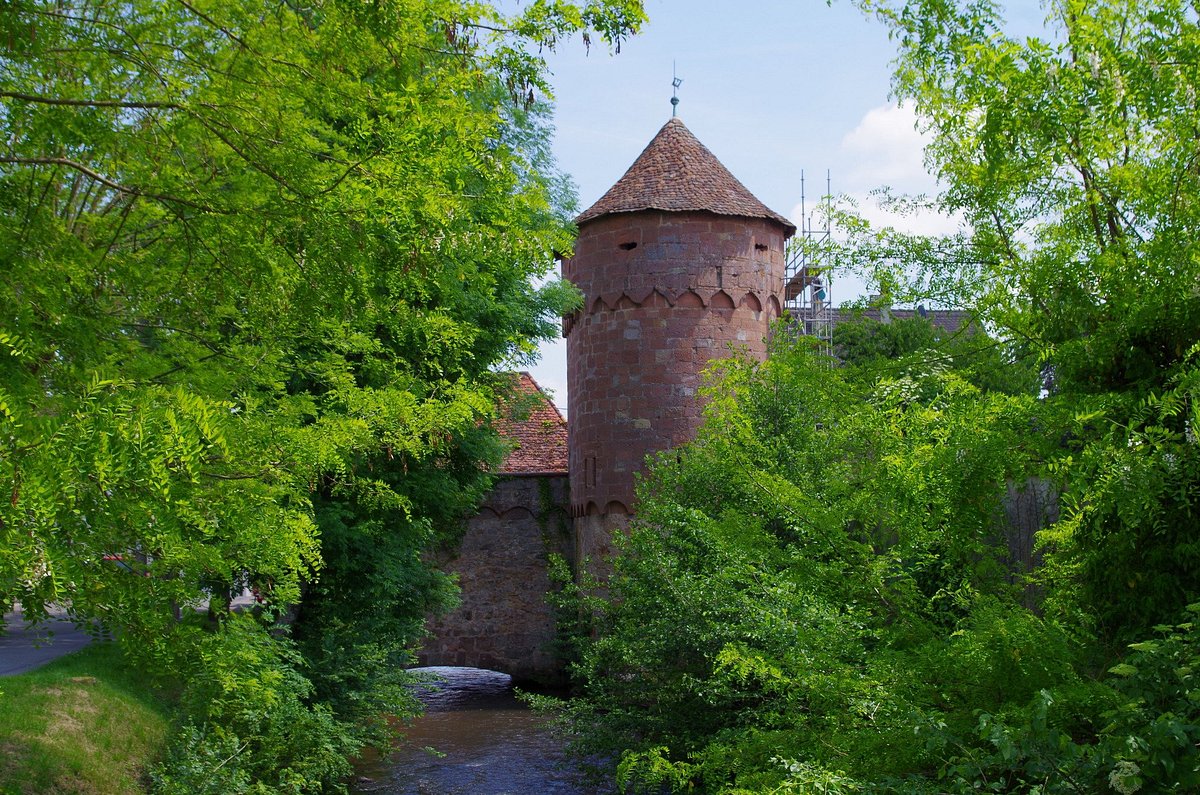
504,623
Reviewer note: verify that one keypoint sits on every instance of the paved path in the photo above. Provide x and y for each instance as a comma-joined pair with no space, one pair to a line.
24,648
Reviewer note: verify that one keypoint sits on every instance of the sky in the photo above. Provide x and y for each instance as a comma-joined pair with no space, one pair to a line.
776,89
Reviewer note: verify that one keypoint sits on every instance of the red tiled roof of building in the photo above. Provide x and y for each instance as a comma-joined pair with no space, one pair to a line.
538,431
948,320
675,172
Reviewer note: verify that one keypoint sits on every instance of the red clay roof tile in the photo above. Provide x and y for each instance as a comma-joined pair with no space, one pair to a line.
675,172
948,320
538,431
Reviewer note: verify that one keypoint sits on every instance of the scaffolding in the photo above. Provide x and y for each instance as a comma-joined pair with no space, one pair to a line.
806,295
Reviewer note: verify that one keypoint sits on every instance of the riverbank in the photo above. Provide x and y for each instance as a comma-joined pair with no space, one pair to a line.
84,723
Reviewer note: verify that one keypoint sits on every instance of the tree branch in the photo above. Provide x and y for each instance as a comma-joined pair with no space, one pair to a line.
103,180
161,377
232,36
251,162
87,103
246,476
350,170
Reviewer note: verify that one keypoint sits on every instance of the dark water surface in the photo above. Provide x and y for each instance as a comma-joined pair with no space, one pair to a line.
474,739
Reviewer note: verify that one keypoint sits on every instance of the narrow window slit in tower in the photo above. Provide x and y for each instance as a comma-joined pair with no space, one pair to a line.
630,246
760,246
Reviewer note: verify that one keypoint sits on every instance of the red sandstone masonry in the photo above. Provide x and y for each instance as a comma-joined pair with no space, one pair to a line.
504,622
656,313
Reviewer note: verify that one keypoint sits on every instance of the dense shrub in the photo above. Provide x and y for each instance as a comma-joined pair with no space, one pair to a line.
250,724
815,597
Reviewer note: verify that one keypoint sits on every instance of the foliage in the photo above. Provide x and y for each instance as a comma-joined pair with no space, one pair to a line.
1070,155
860,341
250,724
878,348
260,264
821,568
818,595
1144,738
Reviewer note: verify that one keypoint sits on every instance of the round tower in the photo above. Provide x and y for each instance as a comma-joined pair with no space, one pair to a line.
677,262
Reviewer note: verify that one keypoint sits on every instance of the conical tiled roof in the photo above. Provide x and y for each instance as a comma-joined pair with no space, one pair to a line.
675,172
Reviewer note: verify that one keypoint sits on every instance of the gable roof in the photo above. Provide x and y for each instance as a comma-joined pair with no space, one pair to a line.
536,428
675,172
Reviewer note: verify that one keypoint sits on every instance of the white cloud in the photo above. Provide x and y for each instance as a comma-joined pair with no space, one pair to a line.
887,149
914,222
849,286
920,221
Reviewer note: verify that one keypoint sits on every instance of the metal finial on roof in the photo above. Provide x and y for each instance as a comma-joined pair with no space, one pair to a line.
676,82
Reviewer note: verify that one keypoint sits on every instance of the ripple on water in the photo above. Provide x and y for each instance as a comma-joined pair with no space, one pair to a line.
475,738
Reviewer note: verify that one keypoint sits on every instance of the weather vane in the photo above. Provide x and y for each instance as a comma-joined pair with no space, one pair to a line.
676,82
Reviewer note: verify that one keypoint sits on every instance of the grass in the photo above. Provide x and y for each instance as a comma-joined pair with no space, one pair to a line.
85,724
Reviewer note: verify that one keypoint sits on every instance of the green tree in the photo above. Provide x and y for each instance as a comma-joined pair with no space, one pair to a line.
1071,156
260,262
876,348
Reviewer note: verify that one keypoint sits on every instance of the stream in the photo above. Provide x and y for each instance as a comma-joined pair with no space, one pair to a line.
475,738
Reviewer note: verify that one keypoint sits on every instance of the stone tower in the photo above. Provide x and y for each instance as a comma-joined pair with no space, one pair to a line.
676,262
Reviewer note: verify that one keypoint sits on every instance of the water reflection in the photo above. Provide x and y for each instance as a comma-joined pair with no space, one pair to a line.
474,739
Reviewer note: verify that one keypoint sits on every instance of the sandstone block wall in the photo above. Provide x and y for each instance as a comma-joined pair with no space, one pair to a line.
504,623
665,293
